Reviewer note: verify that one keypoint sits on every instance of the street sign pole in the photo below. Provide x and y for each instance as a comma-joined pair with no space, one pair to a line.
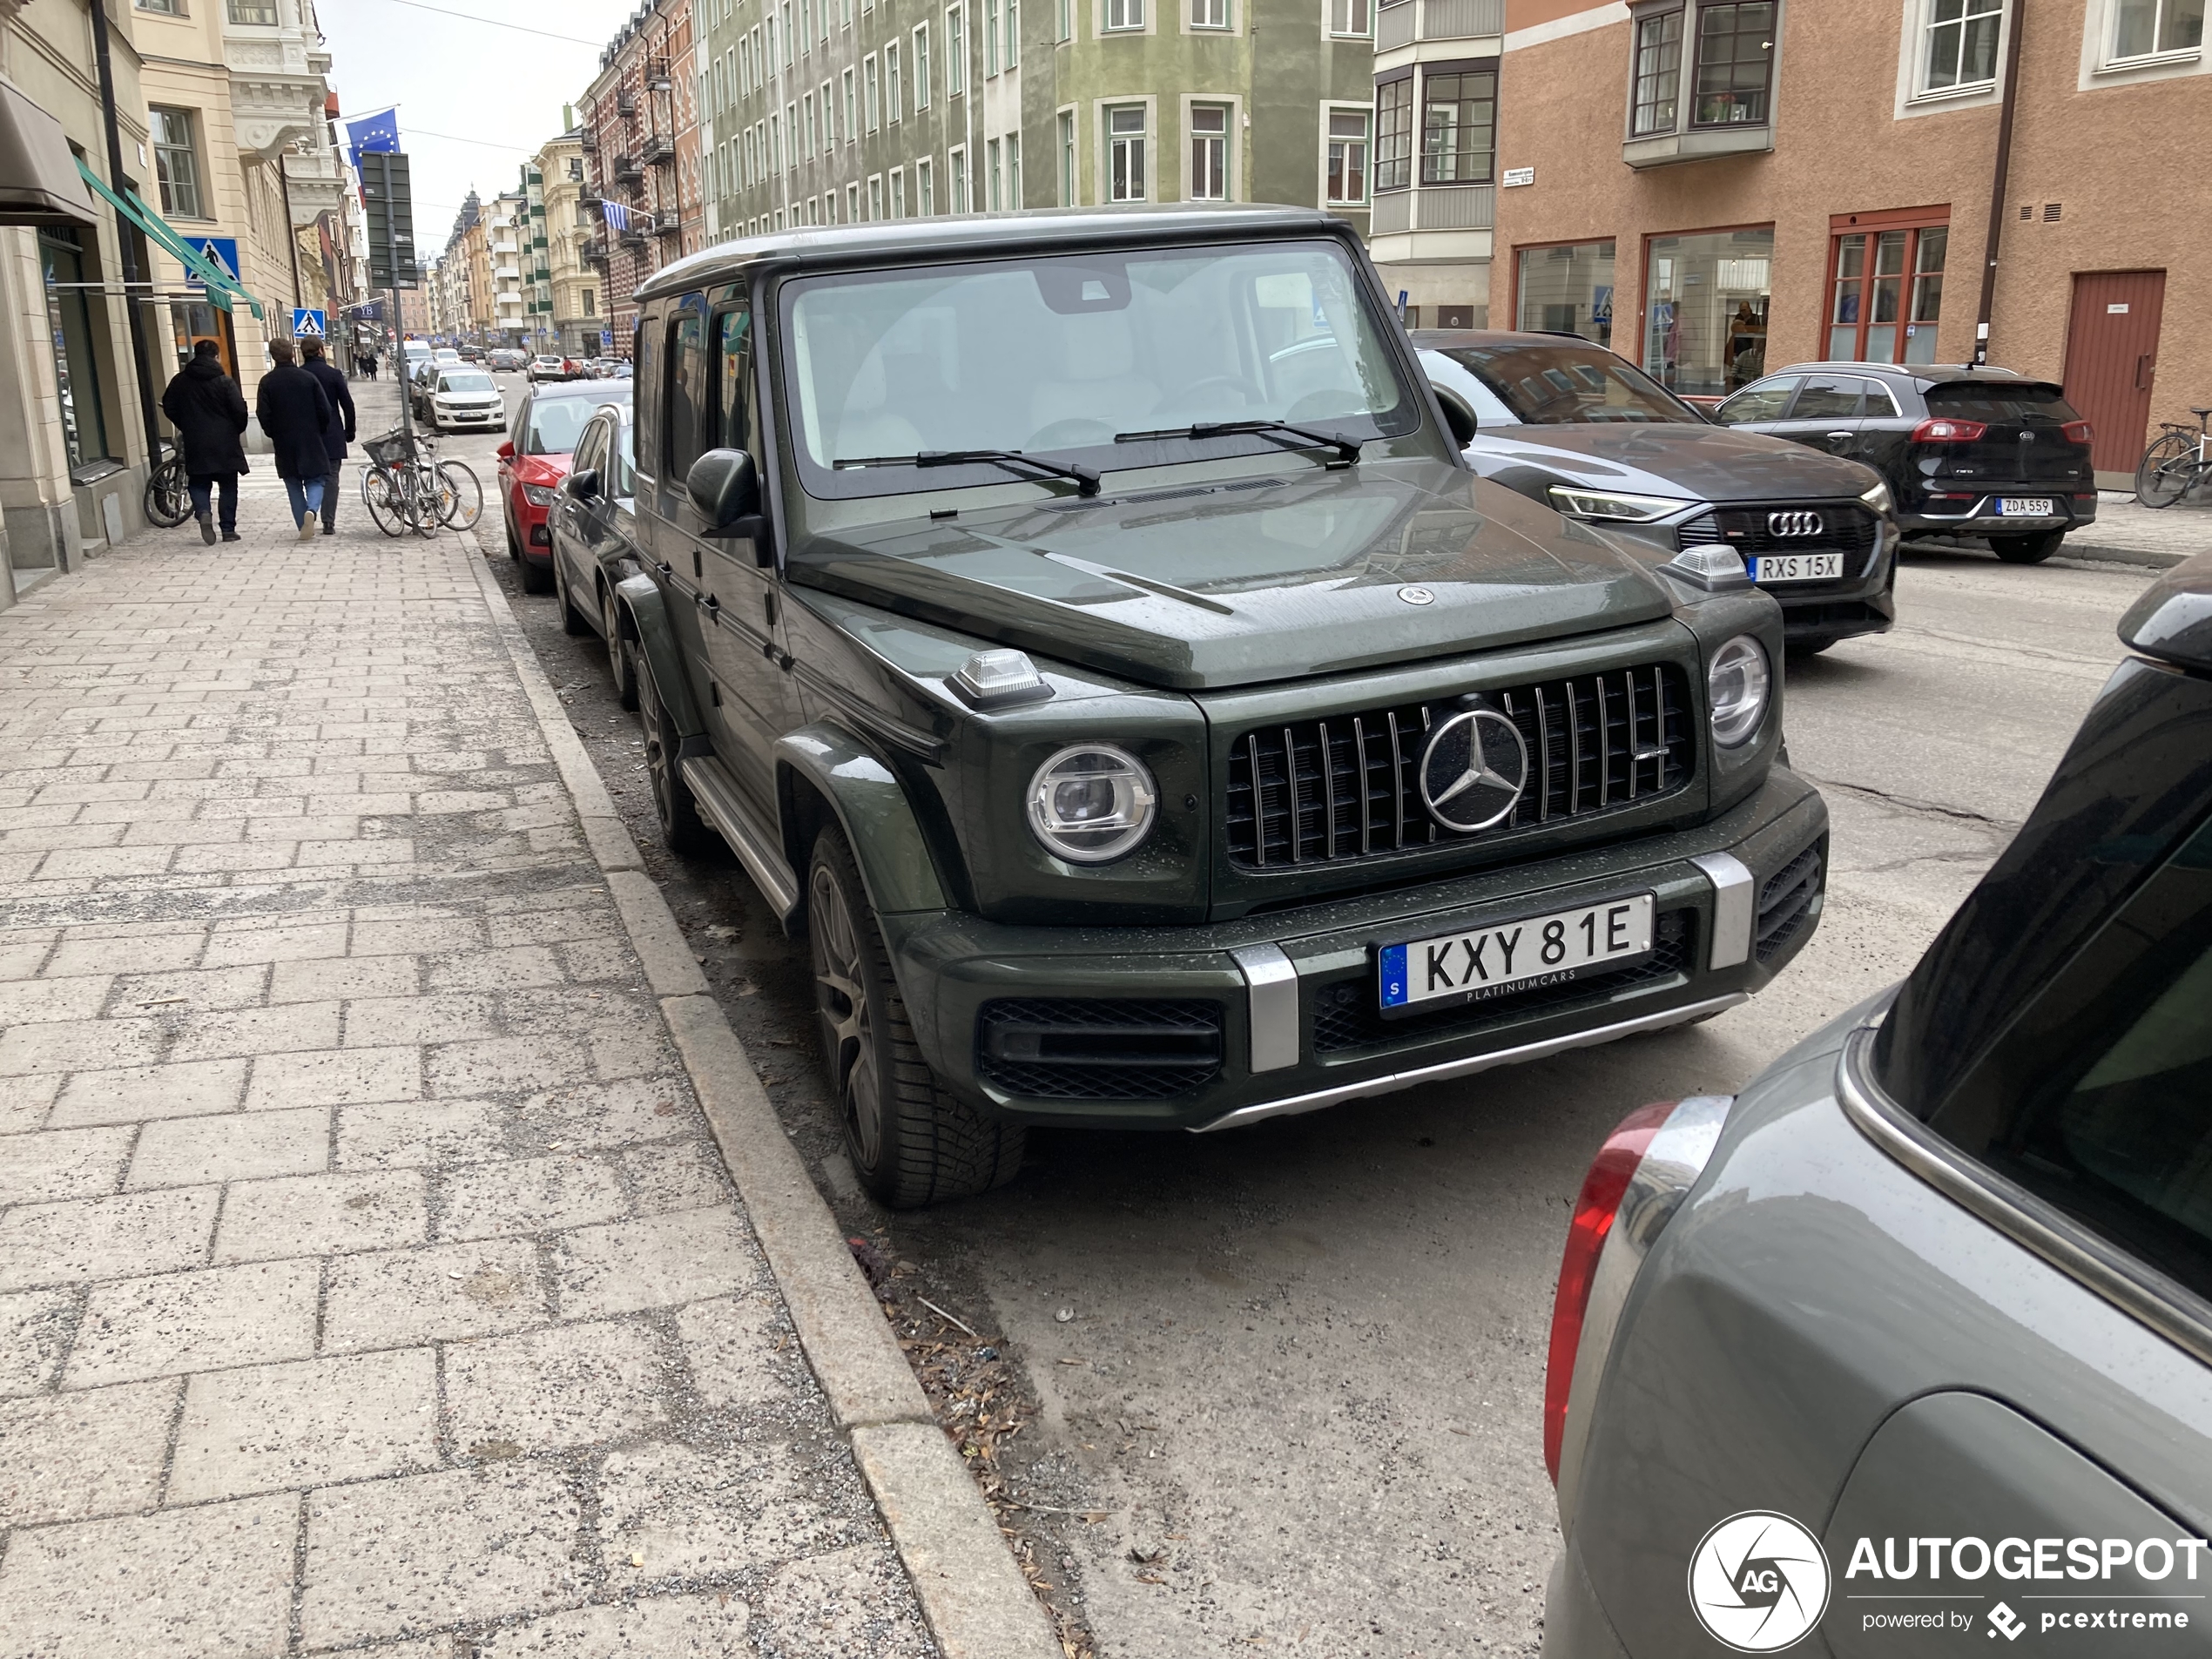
392,269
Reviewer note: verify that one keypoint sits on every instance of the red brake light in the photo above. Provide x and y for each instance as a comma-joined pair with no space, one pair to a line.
1947,431
1602,1190
2079,432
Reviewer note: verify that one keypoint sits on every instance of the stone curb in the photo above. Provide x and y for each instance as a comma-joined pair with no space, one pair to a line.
977,1603
2143,557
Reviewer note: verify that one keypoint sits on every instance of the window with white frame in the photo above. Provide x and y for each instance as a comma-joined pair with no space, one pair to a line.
851,111
871,92
1125,153
829,117
1125,14
956,170
1067,196
955,52
876,197
176,162
924,188
1209,153
894,100
1353,19
1013,54
921,67
1064,20
812,132
852,204
894,192
1209,14
806,32
990,38
2155,28
1347,158
994,178
787,36
791,137
1014,170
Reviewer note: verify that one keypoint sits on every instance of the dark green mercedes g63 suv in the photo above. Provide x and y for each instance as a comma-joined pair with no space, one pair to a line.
1084,626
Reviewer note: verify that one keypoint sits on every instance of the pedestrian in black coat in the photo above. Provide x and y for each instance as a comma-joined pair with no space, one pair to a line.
295,413
208,411
332,382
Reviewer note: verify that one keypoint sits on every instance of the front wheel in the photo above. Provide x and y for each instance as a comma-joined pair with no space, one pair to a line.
621,664
2027,549
574,623
911,1142
2167,470
382,500
461,498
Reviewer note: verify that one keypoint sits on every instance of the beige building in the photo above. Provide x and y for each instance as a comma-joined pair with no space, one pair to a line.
568,294
1723,187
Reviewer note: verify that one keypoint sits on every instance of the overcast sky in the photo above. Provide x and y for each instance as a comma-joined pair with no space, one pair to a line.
495,92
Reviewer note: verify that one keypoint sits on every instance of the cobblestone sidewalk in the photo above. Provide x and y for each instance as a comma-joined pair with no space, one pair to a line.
367,1277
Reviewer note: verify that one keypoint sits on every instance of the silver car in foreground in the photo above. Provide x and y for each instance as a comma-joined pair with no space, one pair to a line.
1908,1348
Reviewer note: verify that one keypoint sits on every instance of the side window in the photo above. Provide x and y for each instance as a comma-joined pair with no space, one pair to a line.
522,424
588,452
733,358
689,431
1828,397
646,388
1881,402
625,465
1765,402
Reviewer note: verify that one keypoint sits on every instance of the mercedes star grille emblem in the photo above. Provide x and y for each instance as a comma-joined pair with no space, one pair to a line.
1417,596
1474,770
1793,524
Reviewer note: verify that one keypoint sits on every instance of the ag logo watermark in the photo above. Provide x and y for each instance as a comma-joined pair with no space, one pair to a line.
1758,1582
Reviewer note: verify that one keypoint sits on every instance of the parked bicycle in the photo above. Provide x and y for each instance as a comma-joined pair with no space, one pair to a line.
406,487
2177,462
169,491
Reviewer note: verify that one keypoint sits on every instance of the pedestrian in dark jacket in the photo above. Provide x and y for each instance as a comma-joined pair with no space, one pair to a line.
295,413
332,382
208,411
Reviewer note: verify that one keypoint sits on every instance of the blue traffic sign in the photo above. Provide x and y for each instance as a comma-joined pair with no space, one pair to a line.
306,324
606,336
222,250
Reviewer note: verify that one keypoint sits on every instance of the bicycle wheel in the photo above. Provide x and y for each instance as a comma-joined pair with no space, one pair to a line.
2167,470
168,495
461,498
382,500
419,499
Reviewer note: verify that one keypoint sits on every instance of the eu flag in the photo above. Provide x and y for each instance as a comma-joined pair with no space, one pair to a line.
375,134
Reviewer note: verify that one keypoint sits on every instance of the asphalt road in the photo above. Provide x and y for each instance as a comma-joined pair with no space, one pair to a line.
1306,1359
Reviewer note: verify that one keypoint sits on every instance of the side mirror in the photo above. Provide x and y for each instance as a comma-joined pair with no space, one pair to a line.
507,450
1460,418
723,487
583,485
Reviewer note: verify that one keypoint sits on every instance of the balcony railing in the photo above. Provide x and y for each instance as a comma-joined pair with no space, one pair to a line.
667,225
595,250
625,104
1403,22
1434,207
627,170
658,147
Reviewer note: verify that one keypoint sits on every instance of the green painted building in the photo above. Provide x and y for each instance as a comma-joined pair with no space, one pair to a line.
840,111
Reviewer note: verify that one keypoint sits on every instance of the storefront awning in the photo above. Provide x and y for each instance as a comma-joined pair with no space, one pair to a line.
38,179
222,286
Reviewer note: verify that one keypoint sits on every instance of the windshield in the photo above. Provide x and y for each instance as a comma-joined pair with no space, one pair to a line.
465,383
1058,355
1566,385
555,422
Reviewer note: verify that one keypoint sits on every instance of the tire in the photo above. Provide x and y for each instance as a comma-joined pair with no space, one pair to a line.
622,662
168,495
513,541
2167,470
461,498
382,501
2027,549
681,827
911,1142
573,622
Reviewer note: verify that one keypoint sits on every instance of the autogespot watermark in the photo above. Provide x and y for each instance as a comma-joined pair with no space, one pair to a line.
1760,1581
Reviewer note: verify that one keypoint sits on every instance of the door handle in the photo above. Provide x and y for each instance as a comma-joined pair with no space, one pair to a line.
1839,437
711,603
2145,359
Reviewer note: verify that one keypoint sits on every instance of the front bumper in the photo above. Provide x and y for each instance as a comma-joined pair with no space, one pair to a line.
1862,603
1290,994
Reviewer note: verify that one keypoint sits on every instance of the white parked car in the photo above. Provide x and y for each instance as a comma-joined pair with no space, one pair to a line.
554,367
466,398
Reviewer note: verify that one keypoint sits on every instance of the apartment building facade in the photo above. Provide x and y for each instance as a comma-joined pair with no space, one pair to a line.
564,301
641,154
842,111
1718,188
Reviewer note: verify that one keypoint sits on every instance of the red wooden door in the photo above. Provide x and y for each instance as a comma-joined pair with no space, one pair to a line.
2112,357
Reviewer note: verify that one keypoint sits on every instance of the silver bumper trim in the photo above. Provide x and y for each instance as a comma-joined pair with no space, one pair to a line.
1735,907
1393,1081
1271,996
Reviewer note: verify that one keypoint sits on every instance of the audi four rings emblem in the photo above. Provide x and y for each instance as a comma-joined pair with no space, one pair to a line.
1793,523
1474,770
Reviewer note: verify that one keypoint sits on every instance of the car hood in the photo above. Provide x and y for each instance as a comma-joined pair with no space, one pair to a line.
1675,458
1249,581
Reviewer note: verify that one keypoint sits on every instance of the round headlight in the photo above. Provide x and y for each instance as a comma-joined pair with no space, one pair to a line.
1092,803
1737,685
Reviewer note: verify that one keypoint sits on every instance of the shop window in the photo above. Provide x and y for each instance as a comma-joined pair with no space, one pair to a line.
1705,309
1459,126
1394,133
1565,290
77,372
1885,295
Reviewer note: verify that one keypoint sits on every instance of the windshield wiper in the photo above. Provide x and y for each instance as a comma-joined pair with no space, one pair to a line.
1347,449
1086,479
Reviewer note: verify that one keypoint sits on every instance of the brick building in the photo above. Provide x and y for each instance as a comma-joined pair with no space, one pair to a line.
641,151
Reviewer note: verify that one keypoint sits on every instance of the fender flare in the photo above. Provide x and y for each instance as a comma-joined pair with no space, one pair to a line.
871,808
641,596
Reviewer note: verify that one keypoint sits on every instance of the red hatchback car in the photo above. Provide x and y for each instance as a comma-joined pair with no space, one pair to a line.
534,459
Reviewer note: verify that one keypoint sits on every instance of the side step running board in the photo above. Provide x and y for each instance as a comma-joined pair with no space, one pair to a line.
721,805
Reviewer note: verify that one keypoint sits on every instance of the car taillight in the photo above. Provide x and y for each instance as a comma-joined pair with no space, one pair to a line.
1947,431
1634,1185
1603,1188
2079,432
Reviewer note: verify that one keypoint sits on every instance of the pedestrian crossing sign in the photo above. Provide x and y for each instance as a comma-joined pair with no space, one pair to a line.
306,325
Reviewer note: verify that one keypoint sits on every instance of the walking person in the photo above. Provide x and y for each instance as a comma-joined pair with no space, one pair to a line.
208,411
295,413
341,431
